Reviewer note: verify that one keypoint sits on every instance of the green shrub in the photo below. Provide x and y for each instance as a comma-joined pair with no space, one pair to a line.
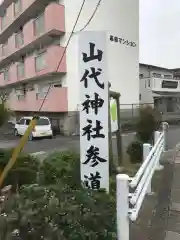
57,212
24,170
135,151
61,167
4,113
58,207
147,122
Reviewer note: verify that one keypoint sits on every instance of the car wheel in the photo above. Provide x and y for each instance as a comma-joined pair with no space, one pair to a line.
16,133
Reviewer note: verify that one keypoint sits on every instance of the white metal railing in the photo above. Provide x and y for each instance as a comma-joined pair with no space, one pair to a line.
132,191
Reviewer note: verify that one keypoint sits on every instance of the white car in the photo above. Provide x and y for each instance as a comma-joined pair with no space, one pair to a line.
43,127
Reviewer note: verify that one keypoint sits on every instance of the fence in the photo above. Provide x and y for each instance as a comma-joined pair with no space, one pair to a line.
132,191
130,111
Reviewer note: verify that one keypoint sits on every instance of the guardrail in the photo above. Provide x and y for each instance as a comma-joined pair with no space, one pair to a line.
131,192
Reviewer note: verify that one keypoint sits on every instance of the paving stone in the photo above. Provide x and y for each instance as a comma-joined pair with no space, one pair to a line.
172,236
175,206
177,161
175,195
174,221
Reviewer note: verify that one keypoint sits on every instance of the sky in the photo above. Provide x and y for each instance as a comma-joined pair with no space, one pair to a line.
160,32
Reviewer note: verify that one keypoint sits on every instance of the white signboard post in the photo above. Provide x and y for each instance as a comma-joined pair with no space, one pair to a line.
94,145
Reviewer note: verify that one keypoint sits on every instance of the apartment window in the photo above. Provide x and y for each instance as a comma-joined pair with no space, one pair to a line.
39,25
3,21
19,39
141,75
149,83
20,69
40,62
156,75
4,49
42,92
58,85
17,7
6,74
167,76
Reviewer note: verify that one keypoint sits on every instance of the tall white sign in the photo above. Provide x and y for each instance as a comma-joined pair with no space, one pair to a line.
94,147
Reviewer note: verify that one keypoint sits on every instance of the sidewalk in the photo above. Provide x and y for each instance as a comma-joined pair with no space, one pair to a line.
173,220
152,221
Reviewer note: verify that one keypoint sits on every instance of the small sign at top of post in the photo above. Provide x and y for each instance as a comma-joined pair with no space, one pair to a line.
94,90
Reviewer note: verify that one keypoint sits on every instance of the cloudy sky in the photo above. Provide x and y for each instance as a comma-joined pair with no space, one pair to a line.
160,32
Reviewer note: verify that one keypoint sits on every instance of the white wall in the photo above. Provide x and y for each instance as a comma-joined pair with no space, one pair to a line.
119,18
146,91
148,82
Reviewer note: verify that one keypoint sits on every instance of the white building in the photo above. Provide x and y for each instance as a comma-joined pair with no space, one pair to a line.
159,87
120,19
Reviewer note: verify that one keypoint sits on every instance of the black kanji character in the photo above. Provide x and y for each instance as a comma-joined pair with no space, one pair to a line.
93,157
86,182
92,55
111,38
116,39
95,104
88,130
94,74
94,181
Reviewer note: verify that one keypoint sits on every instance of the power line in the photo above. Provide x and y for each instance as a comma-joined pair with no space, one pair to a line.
90,19
72,32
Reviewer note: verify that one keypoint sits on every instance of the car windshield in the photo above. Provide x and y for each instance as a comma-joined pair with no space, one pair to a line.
42,122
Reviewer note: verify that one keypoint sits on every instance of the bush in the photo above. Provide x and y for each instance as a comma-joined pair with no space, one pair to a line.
135,151
58,207
148,121
61,167
59,212
24,170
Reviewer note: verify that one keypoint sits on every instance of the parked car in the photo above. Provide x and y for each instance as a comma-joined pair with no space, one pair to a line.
43,127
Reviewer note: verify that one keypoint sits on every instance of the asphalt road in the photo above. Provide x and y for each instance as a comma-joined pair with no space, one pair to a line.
72,143
57,143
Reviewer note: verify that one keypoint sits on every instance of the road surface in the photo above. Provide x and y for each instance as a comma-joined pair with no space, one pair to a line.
72,143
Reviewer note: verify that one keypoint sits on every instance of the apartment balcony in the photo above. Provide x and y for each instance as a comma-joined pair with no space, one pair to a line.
35,66
56,101
165,86
52,23
13,20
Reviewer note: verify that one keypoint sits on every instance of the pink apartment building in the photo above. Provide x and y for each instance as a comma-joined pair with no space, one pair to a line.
30,54
33,34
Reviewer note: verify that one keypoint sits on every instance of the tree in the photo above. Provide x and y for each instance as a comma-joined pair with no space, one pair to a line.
148,121
4,111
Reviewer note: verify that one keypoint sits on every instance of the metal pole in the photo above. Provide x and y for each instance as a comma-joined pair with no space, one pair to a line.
146,151
165,127
156,137
122,192
118,133
111,157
